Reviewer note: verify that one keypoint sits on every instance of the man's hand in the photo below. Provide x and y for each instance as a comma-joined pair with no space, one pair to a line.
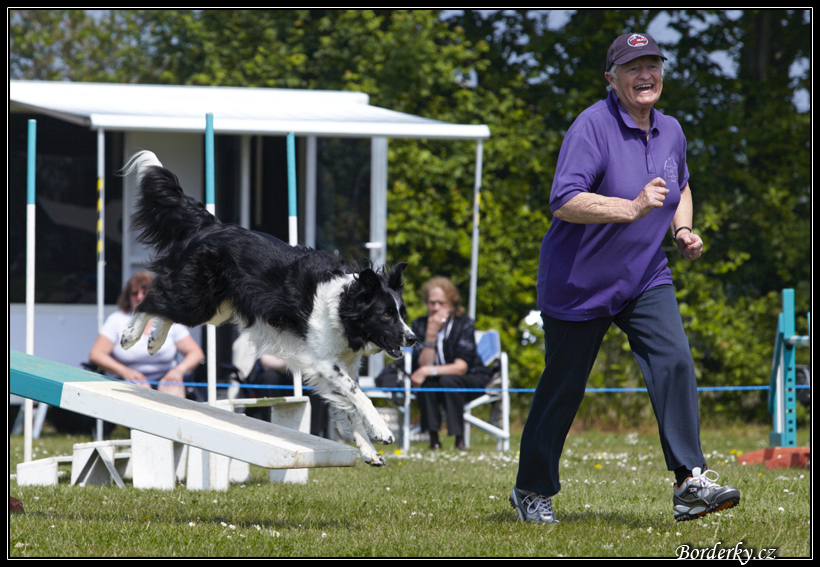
689,244
652,197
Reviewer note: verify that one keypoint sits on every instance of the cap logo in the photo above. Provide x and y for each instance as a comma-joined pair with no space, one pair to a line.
637,40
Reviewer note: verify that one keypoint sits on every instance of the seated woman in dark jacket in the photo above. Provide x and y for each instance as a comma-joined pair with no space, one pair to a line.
446,359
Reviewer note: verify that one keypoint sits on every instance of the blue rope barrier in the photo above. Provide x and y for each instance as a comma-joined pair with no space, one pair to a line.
474,390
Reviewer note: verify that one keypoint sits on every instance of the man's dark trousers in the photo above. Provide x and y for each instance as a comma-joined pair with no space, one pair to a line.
653,325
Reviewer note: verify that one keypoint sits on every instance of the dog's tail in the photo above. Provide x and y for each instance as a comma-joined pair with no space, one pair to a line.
164,214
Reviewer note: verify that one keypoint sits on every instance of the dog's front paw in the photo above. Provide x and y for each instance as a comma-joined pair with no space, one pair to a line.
383,436
380,432
372,458
130,336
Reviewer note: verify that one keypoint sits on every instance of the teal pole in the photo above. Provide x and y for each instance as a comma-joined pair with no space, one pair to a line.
209,160
783,381
210,330
31,161
790,372
292,219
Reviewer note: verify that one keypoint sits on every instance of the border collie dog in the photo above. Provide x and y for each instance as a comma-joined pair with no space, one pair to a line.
318,313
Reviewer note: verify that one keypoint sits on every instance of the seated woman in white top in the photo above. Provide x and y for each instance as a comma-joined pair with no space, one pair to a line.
136,364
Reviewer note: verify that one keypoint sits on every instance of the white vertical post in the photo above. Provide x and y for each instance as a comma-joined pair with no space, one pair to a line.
31,167
378,222
476,207
257,176
245,183
378,201
310,192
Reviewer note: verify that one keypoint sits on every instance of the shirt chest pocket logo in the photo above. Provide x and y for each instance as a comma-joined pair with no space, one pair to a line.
670,170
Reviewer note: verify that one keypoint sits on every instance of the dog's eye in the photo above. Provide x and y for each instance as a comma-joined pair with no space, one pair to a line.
386,315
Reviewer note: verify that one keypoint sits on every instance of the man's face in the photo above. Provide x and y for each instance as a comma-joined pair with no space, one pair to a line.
638,83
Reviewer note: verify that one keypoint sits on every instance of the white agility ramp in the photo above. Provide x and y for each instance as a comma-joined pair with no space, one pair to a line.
177,419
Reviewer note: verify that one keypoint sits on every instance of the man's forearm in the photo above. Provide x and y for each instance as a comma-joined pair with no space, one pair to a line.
589,208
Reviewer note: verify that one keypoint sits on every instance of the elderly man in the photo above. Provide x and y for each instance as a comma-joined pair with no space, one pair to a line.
621,183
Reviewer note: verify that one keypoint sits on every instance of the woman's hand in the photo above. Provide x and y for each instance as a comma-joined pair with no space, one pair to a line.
175,375
172,382
135,377
101,356
436,320
420,375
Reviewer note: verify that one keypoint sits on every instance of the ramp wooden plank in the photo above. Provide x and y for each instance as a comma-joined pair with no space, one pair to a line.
199,425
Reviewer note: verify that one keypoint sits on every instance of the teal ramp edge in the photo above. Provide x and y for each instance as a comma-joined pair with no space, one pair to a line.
43,380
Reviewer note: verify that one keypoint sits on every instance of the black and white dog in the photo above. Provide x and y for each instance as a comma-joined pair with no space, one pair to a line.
307,307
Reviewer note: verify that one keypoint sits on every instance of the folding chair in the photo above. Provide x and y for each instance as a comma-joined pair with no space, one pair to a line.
488,345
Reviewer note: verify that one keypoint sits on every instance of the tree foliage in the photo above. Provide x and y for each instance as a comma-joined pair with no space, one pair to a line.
732,80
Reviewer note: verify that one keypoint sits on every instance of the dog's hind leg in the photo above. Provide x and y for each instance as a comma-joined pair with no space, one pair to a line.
351,424
133,331
158,334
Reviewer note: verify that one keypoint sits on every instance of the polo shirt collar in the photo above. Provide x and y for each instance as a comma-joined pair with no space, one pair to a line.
627,120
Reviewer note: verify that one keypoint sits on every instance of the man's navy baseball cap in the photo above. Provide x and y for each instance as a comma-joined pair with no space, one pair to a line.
631,46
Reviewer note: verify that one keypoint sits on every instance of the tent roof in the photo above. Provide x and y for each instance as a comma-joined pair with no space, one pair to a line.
235,110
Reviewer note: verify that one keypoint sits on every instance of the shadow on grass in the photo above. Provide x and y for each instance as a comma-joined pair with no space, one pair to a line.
590,518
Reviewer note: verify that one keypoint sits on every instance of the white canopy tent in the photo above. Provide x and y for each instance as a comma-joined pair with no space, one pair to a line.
236,110
246,112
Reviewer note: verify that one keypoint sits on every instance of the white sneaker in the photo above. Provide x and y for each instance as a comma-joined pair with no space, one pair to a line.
700,495
532,507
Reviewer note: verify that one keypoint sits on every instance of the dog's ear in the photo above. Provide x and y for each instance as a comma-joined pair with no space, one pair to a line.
368,281
394,278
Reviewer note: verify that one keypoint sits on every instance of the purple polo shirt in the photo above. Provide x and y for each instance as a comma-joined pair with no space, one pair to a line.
588,271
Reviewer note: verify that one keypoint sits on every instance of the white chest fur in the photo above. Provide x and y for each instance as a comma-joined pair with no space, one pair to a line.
325,337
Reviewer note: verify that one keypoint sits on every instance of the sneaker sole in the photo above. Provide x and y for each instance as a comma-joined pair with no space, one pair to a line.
731,503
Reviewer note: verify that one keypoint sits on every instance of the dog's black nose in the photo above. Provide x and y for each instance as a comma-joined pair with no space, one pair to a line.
411,339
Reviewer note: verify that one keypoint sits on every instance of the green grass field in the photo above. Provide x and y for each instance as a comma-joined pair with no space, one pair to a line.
615,502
